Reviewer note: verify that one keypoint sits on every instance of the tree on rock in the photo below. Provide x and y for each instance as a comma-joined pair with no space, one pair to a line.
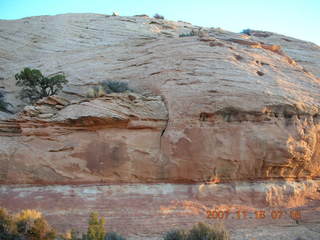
96,229
36,86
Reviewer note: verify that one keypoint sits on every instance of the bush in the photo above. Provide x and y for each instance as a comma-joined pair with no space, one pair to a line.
200,231
175,235
8,228
96,91
32,225
203,231
113,236
114,86
28,224
36,86
246,31
106,87
158,16
96,229
190,34
3,104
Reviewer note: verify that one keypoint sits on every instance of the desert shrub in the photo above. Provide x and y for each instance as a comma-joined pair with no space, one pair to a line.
203,231
200,231
8,229
175,235
158,16
96,229
114,86
106,87
36,86
32,225
28,224
246,31
74,235
96,91
190,34
3,104
113,236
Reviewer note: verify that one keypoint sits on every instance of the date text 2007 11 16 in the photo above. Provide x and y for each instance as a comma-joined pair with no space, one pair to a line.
259,214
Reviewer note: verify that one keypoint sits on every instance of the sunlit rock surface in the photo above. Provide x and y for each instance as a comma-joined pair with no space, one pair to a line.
210,108
146,211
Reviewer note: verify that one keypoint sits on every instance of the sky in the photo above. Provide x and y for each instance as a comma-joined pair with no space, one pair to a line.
295,18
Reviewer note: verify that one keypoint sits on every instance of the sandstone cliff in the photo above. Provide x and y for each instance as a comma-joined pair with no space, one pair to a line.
213,107
230,106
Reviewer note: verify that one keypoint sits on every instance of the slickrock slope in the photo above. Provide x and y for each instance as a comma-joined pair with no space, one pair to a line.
239,107
214,107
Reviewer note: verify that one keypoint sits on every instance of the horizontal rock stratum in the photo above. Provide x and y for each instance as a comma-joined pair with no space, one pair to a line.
229,107
145,211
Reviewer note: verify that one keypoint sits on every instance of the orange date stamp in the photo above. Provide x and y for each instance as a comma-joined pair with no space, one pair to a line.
258,214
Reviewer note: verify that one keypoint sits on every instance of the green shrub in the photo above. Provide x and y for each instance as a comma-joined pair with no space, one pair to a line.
158,16
114,86
203,231
200,231
113,236
30,225
3,104
36,86
175,235
190,34
96,229
246,31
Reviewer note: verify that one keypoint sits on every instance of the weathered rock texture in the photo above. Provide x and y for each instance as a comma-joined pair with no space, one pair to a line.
238,107
146,211
216,106
112,138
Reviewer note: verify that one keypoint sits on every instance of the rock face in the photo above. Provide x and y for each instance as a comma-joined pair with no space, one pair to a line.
112,138
207,106
146,211
239,107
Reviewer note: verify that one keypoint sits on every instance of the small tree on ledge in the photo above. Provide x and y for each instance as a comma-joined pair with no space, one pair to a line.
36,86
96,229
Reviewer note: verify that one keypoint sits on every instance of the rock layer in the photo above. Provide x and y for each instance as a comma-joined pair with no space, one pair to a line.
239,107
110,138
146,211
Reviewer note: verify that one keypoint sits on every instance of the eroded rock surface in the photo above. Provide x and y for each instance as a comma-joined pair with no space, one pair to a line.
112,138
239,107
213,107
146,211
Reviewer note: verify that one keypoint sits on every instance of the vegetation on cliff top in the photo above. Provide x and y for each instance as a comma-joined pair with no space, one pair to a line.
158,16
36,86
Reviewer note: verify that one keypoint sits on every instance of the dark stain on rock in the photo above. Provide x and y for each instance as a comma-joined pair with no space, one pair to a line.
104,156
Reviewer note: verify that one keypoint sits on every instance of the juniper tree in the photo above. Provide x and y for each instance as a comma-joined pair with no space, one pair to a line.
36,86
